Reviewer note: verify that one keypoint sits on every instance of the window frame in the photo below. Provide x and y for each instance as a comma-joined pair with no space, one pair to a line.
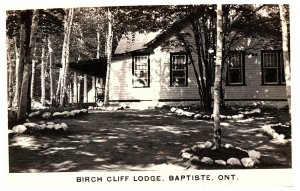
280,67
242,62
171,68
133,69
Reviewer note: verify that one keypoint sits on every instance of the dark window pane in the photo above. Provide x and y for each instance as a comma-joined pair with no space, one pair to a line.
179,73
179,81
235,76
270,75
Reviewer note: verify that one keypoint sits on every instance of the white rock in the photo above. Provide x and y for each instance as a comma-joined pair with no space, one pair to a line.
11,132
30,125
57,114
220,162
247,162
197,116
109,108
173,109
227,146
84,111
90,108
46,115
201,146
253,154
19,129
189,114
186,155
179,111
240,116
280,137
271,131
66,114
207,160
57,126
42,122
50,126
42,126
208,144
33,114
64,126
50,123
266,128
275,135
234,162
223,117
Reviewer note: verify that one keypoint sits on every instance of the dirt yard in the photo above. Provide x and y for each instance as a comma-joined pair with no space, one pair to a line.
138,140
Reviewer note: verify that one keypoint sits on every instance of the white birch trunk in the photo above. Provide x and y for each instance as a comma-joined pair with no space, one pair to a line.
108,54
43,88
10,73
286,57
217,84
51,75
33,73
65,56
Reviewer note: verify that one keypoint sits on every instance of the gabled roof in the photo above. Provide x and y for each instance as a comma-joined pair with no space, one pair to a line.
134,41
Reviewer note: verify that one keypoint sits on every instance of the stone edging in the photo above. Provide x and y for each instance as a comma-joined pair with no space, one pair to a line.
251,161
197,116
276,138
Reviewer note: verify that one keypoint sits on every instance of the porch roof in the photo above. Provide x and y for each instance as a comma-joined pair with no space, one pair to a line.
93,67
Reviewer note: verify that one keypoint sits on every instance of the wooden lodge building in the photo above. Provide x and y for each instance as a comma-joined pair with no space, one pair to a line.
144,71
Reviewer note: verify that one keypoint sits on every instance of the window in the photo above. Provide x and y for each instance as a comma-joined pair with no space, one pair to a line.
179,70
272,67
141,70
236,68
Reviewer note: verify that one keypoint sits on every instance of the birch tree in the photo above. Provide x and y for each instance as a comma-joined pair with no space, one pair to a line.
285,49
43,71
108,54
218,73
51,72
34,61
65,58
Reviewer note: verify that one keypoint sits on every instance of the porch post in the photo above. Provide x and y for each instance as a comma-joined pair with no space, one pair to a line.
94,88
85,94
75,89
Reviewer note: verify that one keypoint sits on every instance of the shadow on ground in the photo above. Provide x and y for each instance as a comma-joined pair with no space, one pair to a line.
134,140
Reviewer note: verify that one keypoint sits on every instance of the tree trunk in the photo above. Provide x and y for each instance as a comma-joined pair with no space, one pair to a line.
217,84
43,86
30,25
85,92
34,61
98,41
65,57
286,57
108,54
10,73
75,88
51,75
19,64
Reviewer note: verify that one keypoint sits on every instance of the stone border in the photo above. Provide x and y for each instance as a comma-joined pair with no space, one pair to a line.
64,114
40,127
251,161
108,108
198,116
276,138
